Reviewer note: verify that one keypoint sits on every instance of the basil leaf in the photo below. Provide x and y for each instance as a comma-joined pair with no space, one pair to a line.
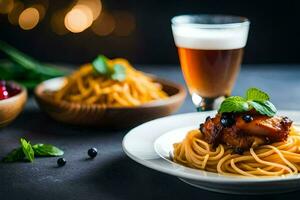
46,150
27,150
14,155
264,108
256,95
119,73
270,107
234,104
100,65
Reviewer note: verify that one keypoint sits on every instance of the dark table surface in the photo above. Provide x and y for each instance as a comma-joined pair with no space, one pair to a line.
112,175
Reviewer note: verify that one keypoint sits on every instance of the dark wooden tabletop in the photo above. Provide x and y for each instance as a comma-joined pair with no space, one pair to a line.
112,175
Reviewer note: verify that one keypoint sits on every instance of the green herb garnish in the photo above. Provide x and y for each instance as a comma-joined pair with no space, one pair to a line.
24,69
115,72
256,95
47,150
29,152
119,72
14,155
255,99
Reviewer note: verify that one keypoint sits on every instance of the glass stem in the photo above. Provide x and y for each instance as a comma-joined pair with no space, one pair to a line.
206,104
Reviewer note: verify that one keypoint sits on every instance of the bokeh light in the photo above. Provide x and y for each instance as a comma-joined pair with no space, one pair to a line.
104,25
6,6
41,8
94,5
87,11
29,18
78,19
125,23
57,22
13,16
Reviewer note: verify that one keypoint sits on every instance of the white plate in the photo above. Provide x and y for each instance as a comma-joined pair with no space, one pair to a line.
142,142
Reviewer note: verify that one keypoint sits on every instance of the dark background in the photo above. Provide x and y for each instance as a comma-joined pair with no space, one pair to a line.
273,37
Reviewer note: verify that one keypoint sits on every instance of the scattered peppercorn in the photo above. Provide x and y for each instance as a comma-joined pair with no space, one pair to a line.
61,162
247,118
92,152
227,120
227,115
226,123
238,150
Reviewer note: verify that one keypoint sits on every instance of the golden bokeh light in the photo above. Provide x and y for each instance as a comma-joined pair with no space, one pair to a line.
6,6
87,11
29,18
57,22
41,8
104,25
13,16
94,5
78,19
125,23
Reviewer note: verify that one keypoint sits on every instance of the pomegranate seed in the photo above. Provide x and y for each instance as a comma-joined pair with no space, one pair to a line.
8,89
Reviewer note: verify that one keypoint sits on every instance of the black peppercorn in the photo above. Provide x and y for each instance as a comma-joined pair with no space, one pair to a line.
92,152
247,118
238,150
61,162
227,122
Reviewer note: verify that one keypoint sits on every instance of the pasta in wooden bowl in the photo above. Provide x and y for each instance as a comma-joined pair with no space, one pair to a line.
85,86
108,93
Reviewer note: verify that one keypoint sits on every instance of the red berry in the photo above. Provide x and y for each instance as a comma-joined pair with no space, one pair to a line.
13,89
8,89
3,93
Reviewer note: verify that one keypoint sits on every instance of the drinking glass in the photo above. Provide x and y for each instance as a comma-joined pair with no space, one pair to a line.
210,49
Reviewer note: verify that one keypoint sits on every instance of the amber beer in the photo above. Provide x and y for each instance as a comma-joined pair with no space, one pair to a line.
210,49
210,73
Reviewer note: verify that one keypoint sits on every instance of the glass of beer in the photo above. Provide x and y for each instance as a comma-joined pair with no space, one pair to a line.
210,49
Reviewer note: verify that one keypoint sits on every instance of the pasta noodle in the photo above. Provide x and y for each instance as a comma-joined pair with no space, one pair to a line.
281,158
87,87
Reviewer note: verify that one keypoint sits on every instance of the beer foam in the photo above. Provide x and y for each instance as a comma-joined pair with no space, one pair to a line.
210,39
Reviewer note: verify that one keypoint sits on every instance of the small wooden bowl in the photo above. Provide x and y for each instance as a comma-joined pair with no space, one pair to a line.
10,108
109,117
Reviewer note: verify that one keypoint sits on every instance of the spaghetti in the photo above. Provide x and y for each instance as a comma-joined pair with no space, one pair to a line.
87,87
281,158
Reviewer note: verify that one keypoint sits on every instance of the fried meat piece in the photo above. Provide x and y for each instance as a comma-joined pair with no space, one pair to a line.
245,134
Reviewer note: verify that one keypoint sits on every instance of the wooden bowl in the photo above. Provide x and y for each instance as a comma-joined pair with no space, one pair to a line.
10,108
109,117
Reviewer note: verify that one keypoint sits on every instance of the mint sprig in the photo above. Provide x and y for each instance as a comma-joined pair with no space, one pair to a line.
101,66
47,150
255,99
14,155
29,152
256,95
234,104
